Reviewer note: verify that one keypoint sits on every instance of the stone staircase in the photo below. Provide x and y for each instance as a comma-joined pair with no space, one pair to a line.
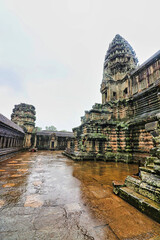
143,192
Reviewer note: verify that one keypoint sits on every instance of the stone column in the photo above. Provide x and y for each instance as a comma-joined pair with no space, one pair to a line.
8,144
13,142
1,140
4,142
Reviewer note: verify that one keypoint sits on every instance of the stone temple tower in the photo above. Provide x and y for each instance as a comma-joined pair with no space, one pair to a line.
24,116
120,60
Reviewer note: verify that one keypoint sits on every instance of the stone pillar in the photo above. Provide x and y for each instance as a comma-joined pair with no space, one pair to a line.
27,142
11,142
8,144
22,142
1,141
137,79
4,142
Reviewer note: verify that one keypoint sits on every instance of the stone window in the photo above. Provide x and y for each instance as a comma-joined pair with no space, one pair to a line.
105,96
114,95
101,147
125,91
93,145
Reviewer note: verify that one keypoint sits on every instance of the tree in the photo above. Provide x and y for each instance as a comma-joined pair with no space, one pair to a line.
38,129
51,128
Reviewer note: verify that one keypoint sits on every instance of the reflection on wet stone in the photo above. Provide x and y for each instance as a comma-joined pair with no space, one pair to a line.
56,198
2,202
33,201
16,175
38,183
22,170
8,185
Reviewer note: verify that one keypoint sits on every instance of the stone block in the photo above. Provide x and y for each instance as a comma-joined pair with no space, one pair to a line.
151,126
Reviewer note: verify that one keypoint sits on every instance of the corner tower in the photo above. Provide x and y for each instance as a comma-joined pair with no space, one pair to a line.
120,60
24,116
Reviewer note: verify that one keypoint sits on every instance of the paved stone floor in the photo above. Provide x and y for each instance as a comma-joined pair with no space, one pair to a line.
45,195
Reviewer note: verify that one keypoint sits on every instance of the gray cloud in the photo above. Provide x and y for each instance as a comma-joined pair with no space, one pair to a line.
52,52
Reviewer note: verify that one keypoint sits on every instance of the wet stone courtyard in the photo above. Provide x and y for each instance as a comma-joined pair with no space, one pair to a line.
45,195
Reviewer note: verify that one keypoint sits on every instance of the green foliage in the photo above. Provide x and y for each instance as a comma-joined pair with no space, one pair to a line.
38,129
51,128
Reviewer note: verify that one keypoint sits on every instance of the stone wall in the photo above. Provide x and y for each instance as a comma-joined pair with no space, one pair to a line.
49,140
11,138
142,190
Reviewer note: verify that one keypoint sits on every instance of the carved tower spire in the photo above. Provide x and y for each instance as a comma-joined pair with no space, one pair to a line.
120,60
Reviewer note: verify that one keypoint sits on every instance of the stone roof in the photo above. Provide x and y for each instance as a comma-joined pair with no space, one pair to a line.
120,47
57,133
147,62
23,106
120,58
9,123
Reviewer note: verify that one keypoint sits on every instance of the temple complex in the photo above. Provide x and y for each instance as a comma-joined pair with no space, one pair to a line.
124,127
117,129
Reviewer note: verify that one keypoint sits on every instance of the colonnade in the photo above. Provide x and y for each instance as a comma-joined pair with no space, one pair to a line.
10,142
11,137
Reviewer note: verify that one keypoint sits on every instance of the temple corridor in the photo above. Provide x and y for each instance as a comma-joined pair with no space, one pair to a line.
45,195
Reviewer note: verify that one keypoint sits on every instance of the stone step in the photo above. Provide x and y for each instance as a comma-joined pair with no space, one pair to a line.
150,161
149,186
151,165
152,179
150,191
157,169
150,158
145,205
147,169
132,183
157,161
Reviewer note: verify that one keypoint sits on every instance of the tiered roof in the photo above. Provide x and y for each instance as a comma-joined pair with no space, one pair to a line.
120,56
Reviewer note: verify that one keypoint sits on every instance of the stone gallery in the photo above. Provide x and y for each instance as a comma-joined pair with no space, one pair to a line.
53,140
124,128
11,137
20,133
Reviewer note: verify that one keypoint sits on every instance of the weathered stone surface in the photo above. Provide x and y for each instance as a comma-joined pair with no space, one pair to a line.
53,140
142,203
68,200
11,138
151,126
24,116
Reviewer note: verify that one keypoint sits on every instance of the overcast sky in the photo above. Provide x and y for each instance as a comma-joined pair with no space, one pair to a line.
52,52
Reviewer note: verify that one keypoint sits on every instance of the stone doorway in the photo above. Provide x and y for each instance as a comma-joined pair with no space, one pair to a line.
52,145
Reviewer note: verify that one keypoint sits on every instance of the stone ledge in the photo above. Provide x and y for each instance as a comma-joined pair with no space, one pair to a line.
145,205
